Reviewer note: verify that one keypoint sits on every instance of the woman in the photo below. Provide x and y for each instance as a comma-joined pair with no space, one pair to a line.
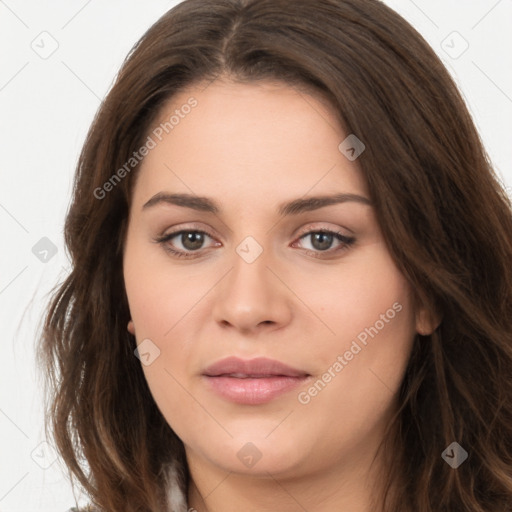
291,284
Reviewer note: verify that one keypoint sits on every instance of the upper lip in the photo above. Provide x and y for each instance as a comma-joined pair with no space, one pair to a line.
257,367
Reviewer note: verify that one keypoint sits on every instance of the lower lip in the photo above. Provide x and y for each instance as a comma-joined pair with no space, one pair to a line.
253,391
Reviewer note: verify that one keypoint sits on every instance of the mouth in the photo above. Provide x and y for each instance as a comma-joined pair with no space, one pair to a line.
254,381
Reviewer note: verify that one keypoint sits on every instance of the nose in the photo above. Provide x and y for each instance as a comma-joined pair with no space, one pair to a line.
252,297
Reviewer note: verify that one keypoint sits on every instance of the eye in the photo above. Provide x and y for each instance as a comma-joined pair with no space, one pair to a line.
191,241
322,240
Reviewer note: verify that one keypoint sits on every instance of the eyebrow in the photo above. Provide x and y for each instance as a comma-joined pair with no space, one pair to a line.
295,207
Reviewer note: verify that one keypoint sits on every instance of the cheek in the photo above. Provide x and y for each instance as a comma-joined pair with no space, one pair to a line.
372,316
362,296
158,302
161,301
370,311
158,295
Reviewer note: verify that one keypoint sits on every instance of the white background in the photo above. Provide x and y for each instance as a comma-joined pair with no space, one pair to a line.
47,105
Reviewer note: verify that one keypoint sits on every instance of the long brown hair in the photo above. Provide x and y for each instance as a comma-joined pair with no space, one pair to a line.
445,217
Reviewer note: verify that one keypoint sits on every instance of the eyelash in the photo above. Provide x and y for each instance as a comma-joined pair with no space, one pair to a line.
345,240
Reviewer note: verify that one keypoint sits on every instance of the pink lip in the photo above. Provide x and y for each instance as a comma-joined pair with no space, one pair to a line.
253,381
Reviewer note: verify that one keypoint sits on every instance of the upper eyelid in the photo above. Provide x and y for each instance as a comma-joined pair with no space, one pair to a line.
175,232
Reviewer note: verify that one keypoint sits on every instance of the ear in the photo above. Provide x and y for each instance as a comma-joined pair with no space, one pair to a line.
131,327
427,321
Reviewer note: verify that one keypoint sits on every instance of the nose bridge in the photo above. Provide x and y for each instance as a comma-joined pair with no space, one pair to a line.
250,271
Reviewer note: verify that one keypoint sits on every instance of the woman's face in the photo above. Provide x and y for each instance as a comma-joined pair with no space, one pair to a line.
263,287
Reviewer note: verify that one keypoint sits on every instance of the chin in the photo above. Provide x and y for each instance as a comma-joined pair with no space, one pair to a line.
259,455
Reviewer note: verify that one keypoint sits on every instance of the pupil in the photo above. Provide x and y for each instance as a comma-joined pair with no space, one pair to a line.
325,240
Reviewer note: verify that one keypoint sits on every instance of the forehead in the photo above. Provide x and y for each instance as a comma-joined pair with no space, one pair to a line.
265,139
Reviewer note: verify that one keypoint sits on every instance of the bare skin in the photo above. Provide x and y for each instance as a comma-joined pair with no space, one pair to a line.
301,302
